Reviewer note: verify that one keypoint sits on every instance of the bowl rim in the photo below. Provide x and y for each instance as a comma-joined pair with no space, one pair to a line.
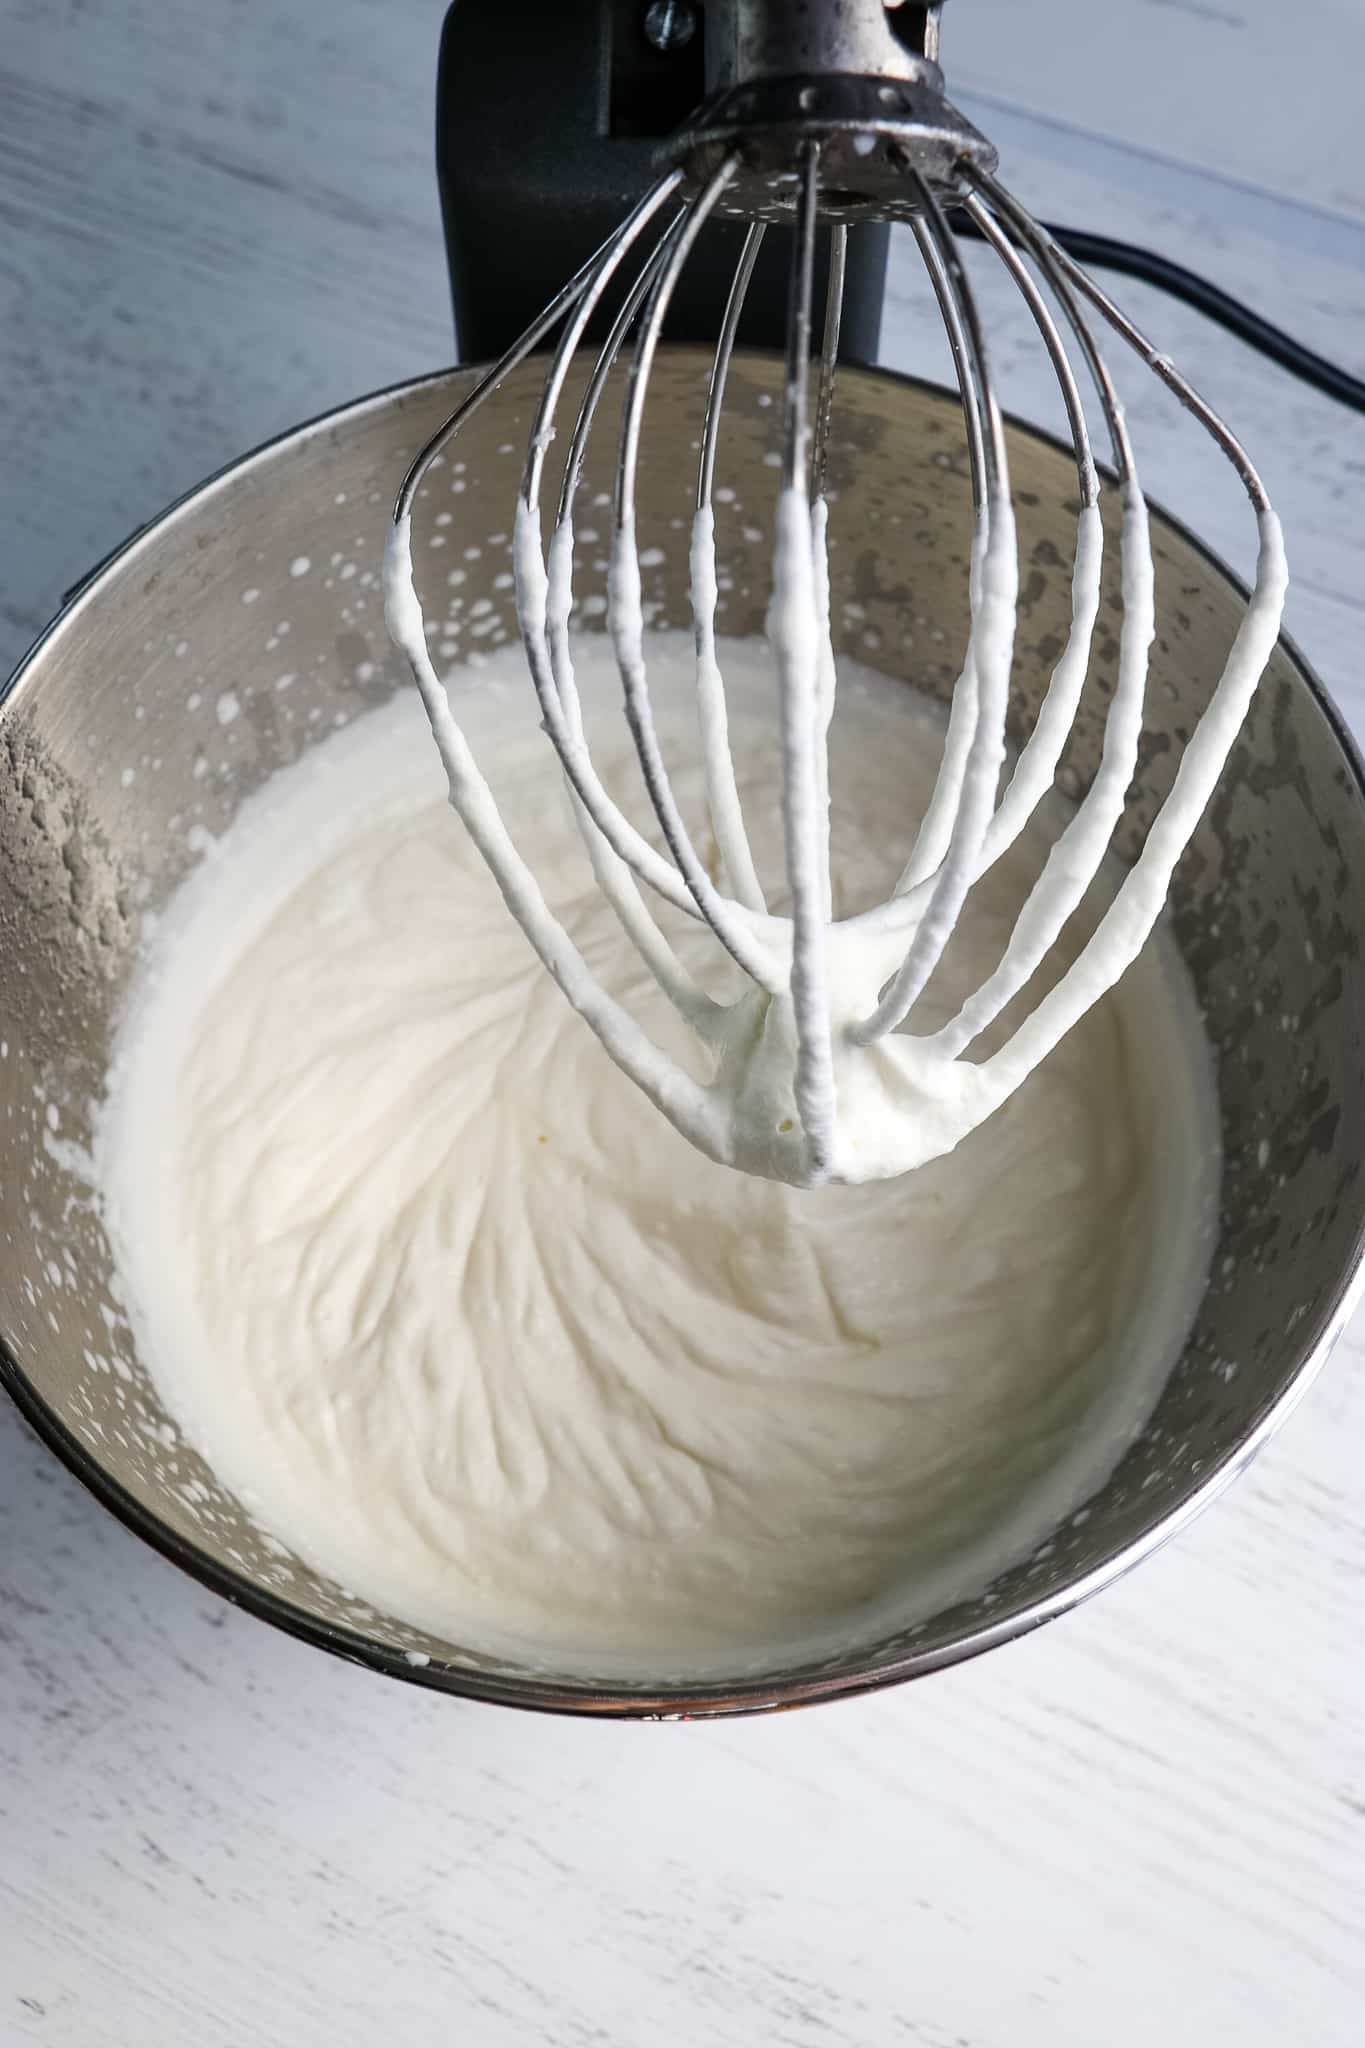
697,1700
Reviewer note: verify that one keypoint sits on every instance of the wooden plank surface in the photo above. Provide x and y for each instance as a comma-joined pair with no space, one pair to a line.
1145,1824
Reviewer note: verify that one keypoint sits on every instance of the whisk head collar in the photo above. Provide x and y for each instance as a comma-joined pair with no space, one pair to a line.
870,133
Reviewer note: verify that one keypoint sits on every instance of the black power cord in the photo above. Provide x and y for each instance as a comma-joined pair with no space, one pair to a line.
1103,252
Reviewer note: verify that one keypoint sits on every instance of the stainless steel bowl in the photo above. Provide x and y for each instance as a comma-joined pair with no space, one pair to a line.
112,745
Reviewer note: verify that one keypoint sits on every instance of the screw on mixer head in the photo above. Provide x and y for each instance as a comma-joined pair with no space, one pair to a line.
819,116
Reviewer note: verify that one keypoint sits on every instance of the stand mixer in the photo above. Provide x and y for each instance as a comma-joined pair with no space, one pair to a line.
819,119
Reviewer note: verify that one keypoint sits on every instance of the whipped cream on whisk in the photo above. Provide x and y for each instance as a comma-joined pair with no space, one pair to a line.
813,1071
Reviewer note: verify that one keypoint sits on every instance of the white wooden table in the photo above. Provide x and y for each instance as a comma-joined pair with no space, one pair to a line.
1145,1824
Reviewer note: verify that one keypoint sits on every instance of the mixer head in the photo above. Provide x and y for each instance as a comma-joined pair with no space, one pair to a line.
820,117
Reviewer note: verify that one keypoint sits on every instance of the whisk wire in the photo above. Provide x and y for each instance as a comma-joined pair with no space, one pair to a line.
1125,926
611,873
1038,760
720,362
607,359
543,428
626,613
1086,474
543,324
1037,236
829,356
931,839
1075,857
718,767
533,591
794,634
989,658
826,677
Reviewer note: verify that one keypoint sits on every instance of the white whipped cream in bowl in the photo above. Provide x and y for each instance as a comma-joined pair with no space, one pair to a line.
470,1327
399,1314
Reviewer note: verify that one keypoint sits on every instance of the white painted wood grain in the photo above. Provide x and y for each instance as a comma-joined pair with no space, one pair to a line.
1260,96
1142,1825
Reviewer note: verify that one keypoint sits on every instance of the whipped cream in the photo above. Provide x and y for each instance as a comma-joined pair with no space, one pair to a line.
475,1333
816,1070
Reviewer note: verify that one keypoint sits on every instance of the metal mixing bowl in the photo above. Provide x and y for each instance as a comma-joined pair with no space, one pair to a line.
151,708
